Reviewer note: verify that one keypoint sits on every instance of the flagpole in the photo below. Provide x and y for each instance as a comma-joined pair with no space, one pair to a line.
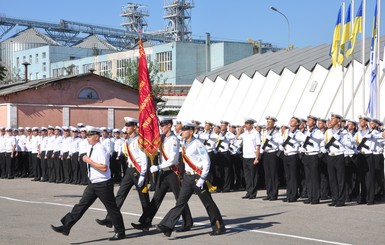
343,67
363,54
378,59
352,17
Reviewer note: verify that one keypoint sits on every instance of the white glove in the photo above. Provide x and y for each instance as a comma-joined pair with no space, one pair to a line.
323,150
291,135
200,183
268,137
301,149
280,147
154,168
141,181
337,136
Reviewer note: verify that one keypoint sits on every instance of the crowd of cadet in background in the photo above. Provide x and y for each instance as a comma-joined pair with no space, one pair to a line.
314,159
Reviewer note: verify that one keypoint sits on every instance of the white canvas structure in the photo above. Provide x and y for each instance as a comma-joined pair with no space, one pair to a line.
282,84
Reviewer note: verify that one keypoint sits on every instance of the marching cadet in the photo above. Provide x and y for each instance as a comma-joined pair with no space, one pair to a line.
324,177
167,179
58,164
3,173
74,155
236,160
116,160
311,141
43,153
83,146
251,141
135,173
28,151
271,139
65,155
289,154
336,141
100,186
21,161
197,165
49,156
208,140
10,150
378,156
351,162
224,165
35,154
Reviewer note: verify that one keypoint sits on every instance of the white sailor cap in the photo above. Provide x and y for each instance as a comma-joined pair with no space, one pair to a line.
335,115
92,130
43,129
15,129
271,118
83,129
165,120
58,128
103,129
80,125
50,127
375,120
116,130
209,122
28,129
188,126
250,120
65,128
124,130
225,122
21,128
130,121
353,121
74,129
8,129
35,129
363,117
312,117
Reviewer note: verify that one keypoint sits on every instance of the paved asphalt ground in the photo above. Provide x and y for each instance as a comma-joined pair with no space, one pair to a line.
29,208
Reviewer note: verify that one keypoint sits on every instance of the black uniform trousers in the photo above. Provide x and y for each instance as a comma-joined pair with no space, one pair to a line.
75,168
115,167
128,181
44,166
36,166
336,171
251,176
290,164
22,158
9,165
166,180
366,170
83,172
238,171
50,166
270,165
58,167
105,192
324,176
311,165
225,171
187,189
3,171
351,177
30,164
379,175
67,169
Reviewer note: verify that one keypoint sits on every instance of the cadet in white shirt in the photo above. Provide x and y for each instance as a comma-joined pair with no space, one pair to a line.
65,155
43,153
116,159
83,146
58,164
49,154
74,155
251,141
2,153
10,151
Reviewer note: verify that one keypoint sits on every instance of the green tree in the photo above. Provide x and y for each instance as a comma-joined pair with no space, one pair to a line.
3,70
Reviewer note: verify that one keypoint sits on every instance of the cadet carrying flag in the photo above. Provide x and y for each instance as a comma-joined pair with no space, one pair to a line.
372,106
345,42
357,28
336,39
149,137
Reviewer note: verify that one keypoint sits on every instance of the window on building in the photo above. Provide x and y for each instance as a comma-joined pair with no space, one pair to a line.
88,67
122,67
44,76
88,94
164,61
30,59
44,66
105,68
24,60
37,58
37,75
17,61
43,55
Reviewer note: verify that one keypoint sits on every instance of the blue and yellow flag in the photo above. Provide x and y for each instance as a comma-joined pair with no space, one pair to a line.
345,39
357,28
334,50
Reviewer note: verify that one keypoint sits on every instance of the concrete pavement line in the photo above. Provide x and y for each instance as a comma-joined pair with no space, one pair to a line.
198,223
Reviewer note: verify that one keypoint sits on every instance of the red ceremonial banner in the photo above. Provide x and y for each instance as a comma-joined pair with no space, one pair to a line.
149,137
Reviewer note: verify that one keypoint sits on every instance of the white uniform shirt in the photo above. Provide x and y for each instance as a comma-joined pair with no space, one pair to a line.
171,147
250,140
66,145
198,155
21,139
57,143
223,141
99,155
83,146
2,143
50,143
10,141
138,155
28,143
274,139
118,143
35,144
208,140
339,145
43,143
75,142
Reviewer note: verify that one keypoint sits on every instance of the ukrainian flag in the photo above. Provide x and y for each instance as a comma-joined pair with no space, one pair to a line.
336,39
357,28
345,40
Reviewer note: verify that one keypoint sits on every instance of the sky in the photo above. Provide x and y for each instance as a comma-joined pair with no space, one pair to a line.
311,22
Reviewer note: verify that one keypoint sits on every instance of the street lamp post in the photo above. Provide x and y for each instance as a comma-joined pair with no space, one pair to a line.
288,26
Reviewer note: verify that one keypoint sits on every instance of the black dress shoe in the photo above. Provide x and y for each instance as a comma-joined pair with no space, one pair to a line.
218,232
117,236
361,202
370,203
340,204
273,199
266,198
314,202
165,230
246,197
141,226
104,222
307,201
61,229
332,204
183,228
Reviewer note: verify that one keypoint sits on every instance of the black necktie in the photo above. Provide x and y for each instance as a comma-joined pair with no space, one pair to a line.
88,166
